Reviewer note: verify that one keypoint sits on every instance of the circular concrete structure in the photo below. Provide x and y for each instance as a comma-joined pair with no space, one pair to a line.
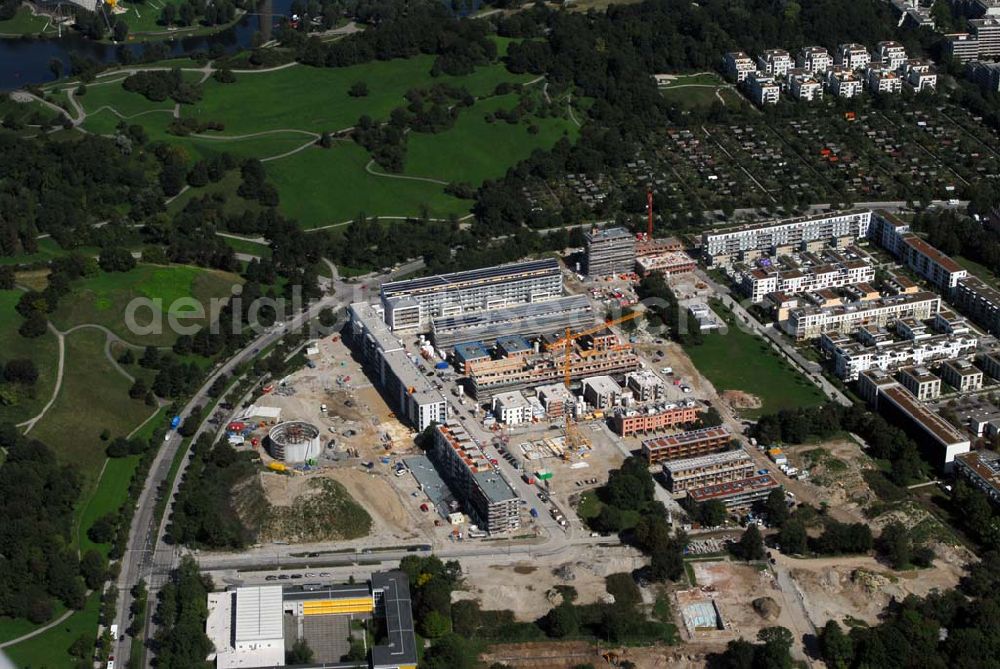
294,441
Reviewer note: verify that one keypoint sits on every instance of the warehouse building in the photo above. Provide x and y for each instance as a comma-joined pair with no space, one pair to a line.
411,305
608,252
736,495
247,624
749,242
573,311
704,470
653,417
409,392
686,444
487,496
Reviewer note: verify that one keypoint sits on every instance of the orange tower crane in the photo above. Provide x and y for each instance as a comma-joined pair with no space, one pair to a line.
574,439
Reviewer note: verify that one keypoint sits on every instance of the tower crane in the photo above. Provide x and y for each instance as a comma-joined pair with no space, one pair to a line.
574,439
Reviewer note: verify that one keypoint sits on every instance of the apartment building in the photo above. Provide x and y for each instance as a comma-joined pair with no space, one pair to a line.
979,302
411,305
763,89
701,471
608,252
982,42
963,47
686,444
891,55
986,75
853,56
602,392
804,85
843,82
775,62
881,80
736,495
758,283
809,322
924,259
814,59
749,242
738,65
511,408
645,386
410,393
962,375
989,362
920,75
939,439
850,358
919,381
981,469
653,417
485,494
887,230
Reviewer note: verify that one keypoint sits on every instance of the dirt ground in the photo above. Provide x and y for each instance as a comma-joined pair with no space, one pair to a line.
835,477
860,587
567,654
527,588
737,399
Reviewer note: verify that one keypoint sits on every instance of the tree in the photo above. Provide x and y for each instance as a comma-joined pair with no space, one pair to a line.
116,259
776,653
20,370
34,326
82,647
358,89
562,621
94,569
895,544
775,508
750,546
712,513
300,653
835,647
792,537
326,140
434,625
103,529
450,652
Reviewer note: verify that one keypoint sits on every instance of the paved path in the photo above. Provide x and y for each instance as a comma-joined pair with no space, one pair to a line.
40,630
368,168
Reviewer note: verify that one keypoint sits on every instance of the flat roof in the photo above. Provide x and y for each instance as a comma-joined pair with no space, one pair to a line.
495,274
931,252
298,593
608,234
602,384
401,648
689,437
722,491
938,427
528,310
411,377
471,350
739,455
986,465
258,613
375,326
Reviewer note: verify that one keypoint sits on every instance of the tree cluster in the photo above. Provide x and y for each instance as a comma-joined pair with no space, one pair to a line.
159,85
181,614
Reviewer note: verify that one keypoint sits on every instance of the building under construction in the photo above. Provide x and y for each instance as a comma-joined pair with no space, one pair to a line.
686,444
590,355
573,311
608,252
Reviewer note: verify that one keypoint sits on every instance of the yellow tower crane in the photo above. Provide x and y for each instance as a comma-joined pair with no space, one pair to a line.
574,438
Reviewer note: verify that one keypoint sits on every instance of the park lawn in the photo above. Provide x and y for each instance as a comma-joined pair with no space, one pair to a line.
24,23
702,78
48,249
474,150
44,351
739,360
11,628
322,187
50,650
110,93
692,97
249,247
143,17
265,146
93,397
103,299
110,494
316,99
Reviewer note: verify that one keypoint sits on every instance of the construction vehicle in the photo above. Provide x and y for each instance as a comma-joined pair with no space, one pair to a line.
575,440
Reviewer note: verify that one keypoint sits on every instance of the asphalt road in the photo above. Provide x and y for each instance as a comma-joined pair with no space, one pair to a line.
148,556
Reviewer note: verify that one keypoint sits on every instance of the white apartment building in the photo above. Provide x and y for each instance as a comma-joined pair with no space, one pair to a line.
891,55
810,233
843,82
511,408
763,89
814,59
920,75
810,322
853,56
850,358
758,283
775,62
882,80
738,65
962,375
804,86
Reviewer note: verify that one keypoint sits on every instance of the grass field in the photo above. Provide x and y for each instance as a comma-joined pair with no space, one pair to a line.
316,99
759,370
700,79
49,650
44,351
321,187
248,247
699,90
103,299
23,23
93,397
475,150
976,269
110,494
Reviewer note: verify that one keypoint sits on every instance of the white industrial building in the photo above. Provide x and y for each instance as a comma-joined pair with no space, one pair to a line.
246,626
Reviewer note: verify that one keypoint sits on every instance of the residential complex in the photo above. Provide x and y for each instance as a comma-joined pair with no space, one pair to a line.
775,62
601,392
246,625
704,470
804,85
831,269
749,242
668,262
608,252
883,80
394,370
736,495
919,381
487,496
891,55
653,418
986,75
843,82
980,302
645,386
981,42
414,303
686,444
810,322
962,375
851,357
